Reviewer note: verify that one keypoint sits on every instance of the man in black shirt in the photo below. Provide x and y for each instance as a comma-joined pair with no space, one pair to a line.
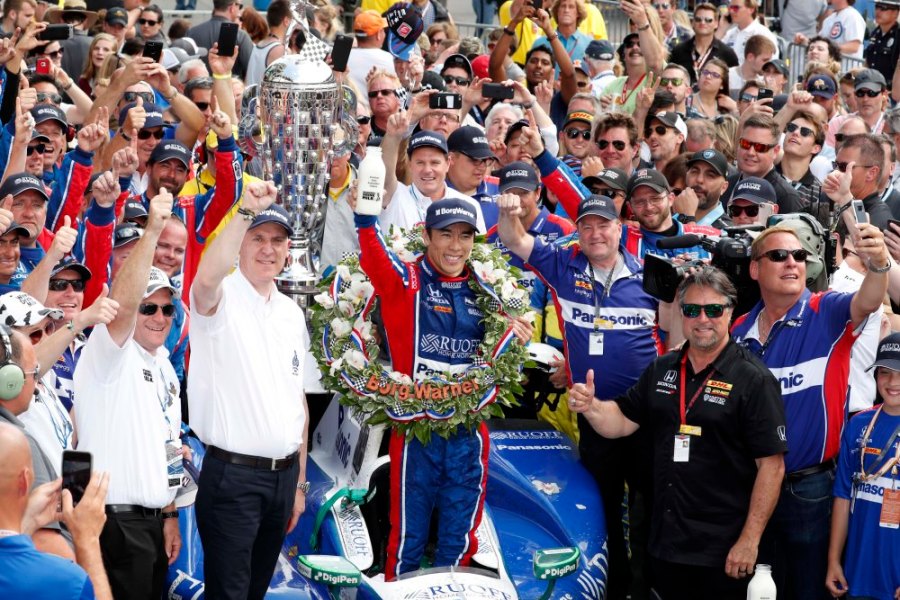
716,419
697,51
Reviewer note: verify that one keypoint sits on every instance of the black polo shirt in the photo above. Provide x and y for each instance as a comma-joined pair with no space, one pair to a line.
701,505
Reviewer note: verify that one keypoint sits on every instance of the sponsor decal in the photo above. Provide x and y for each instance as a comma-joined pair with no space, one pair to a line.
420,390
526,435
456,590
354,534
534,447
714,399
670,376
721,385
798,378
448,346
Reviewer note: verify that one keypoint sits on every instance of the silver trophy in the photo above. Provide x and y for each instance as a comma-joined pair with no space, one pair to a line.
296,120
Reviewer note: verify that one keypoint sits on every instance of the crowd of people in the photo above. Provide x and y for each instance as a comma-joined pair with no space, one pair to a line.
749,416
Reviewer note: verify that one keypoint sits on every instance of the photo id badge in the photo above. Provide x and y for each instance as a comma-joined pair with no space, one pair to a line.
890,510
174,463
596,343
682,448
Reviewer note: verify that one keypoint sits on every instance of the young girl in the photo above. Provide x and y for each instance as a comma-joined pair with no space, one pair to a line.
866,512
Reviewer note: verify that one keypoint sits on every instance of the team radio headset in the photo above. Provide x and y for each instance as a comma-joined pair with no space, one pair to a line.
12,377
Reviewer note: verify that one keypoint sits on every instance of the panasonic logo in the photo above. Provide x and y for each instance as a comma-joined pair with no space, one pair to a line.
797,378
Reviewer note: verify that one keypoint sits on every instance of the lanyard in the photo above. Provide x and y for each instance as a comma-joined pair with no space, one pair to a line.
701,60
61,425
625,97
164,400
888,464
605,293
415,197
681,407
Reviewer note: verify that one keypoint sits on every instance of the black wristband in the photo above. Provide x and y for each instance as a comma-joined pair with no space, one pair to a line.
169,515
509,31
687,218
125,136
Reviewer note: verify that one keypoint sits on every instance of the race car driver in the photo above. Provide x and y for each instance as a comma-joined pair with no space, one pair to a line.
431,298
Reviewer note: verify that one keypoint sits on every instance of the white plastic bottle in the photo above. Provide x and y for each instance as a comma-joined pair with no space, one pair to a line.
762,586
370,189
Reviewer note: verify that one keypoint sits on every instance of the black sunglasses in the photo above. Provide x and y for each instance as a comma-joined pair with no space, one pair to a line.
781,255
617,144
659,129
751,211
804,131
448,79
39,148
55,53
842,166
149,309
145,134
747,98
633,44
363,120
713,311
573,133
869,93
386,92
704,19
49,97
147,22
147,97
202,105
60,285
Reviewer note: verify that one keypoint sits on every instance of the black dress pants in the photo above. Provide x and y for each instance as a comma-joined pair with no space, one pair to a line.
242,514
134,555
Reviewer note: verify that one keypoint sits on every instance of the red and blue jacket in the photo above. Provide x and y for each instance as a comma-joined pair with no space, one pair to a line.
808,351
432,322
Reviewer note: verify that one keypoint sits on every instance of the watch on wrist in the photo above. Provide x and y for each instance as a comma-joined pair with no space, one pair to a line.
169,515
644,27
884,269
303,487
687,218
248,214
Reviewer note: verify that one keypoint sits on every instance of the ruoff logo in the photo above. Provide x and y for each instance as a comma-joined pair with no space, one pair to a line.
751,185
610,175
479,140
174,148
517,173
889,348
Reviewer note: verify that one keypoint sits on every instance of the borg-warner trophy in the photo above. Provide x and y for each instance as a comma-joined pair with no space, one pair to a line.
302,116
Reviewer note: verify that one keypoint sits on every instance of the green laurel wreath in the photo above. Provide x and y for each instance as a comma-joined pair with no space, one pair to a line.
347,352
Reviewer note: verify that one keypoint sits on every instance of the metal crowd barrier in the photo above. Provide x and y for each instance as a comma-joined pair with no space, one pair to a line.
796,62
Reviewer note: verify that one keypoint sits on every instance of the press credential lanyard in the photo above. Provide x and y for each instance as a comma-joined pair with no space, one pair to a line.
890,500
682,450
596,339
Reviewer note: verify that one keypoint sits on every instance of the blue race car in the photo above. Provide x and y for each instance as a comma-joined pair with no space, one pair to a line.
543,519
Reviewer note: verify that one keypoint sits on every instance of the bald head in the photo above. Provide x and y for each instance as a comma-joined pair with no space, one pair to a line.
15,474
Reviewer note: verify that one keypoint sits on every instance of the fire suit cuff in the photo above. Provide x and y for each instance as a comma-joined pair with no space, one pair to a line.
364,220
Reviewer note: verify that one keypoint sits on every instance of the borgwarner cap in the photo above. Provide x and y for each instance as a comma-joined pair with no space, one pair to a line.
756,190
154,114
649,177
888,353
713,158
518,176
444,213
274,214
424,138
470,141
600,206
19,183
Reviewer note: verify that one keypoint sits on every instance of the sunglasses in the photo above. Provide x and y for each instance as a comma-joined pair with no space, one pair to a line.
780,255
865,93
736,211
713,311
573,133
659,129
147,22
38,334
842,166
55,53
758,146
363,120
60,285
662,6
385,93
664,81
462,81
711,74
49,97
617,144
581,84
804,131
149,309
146,134
39,148
747,98
203,106
608,192
706,20
147,97
633,43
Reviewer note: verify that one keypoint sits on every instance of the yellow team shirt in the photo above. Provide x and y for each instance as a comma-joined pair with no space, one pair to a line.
528,31
380,6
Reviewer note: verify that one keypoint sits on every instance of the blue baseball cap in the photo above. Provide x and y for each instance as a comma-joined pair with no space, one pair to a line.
756,190
518,176
273,214
822,86
446,212
432,139
600,206
168,149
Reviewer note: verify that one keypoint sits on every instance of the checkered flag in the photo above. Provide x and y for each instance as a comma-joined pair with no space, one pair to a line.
314,49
